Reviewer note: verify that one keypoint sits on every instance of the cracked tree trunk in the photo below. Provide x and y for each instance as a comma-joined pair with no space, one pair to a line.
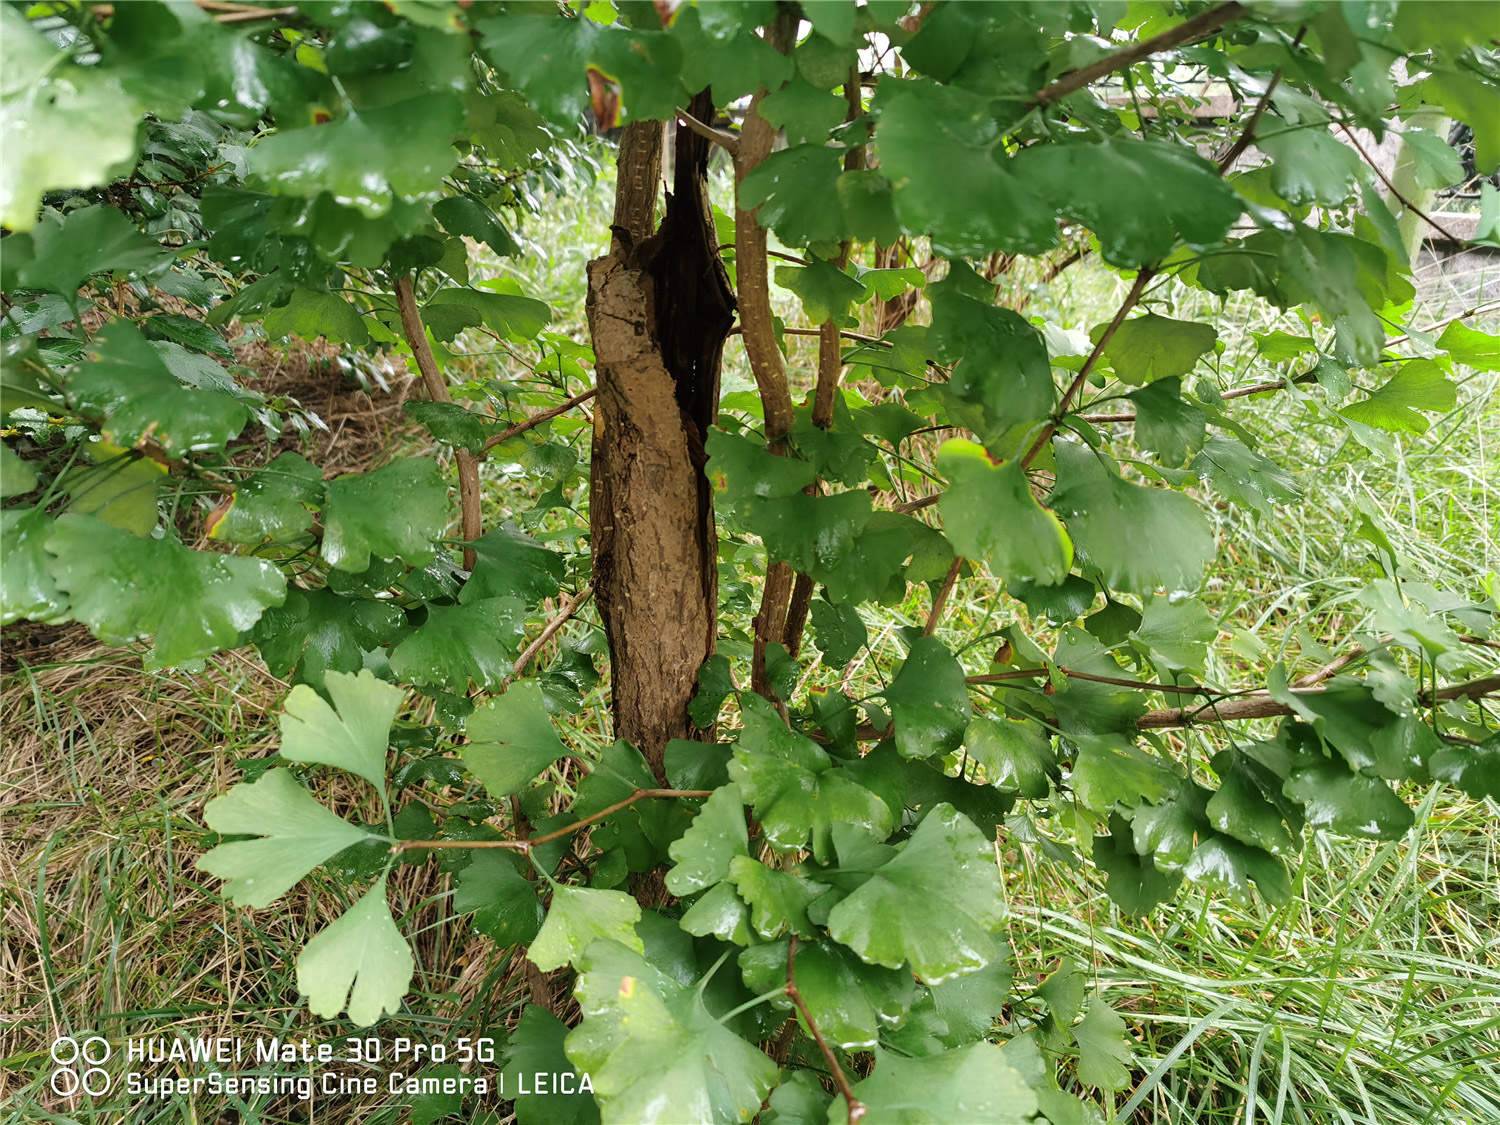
659,309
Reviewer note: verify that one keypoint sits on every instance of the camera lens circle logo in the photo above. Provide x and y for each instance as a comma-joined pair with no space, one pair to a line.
78,1066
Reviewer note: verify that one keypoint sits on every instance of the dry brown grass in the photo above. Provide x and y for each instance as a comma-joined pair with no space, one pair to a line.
105,925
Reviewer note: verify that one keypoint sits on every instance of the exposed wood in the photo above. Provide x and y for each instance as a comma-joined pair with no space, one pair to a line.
659,309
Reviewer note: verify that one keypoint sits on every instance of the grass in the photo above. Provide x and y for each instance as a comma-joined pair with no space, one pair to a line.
1373,997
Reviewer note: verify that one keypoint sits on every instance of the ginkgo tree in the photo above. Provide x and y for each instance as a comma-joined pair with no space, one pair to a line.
770,900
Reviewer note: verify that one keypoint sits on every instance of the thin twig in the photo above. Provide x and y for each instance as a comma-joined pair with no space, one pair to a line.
1200,26
557,833
1233,708
471,515
1332,668
570,606
758,333
840,1079
1396,192
940,599
1260,706
227,13
727,141
918,504
845,333
830,372
537,419
1238,392
1226,159
1131,298
1093,678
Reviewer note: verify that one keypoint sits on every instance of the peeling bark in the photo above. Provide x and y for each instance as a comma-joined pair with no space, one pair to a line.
659,309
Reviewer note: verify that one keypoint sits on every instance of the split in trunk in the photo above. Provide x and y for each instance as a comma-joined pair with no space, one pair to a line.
659,309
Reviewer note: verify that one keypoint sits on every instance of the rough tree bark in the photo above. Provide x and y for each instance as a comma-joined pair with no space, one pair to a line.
659,309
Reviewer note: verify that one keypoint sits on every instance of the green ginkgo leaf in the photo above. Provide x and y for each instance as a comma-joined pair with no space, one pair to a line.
394,512
367,159
1103,1047
778,900
654,1052
353,734
796,790
500,899
1175,633
990,514
272,504
579,916
360,963
17,477
462,644
192,603
1017,756
929,701
1140,538
294,833
509,563
975,1083
536,1047
70,249
317,631
851,1002
716,836
132,390
511,740
1139,197
886,922
27,589
61,125
1150,347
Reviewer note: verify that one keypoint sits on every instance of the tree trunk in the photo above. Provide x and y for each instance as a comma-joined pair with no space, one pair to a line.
659,309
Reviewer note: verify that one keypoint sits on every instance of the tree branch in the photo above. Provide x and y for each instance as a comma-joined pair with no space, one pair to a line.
1131,298
471,515
1227,158
855,1107
1396,192
569,607
526,845
758,330
727,141
918,504
1200,26
1221,707
1261,706
830,371
1094,678
537,419
940,599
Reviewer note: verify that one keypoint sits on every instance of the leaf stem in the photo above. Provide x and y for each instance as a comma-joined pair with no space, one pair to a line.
752,1003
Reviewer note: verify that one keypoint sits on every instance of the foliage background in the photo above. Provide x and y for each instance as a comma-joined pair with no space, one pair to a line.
1369,997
